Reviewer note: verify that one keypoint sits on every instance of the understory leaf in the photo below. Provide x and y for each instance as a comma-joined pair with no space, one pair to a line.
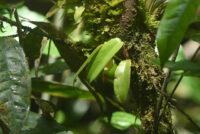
60,90
37,124
189,67
32,44
176,19
54,68
102,57
122,120
122,80
15,85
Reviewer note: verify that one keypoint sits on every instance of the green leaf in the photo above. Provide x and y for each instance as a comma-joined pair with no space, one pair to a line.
32,44
189,67
60,90
15,85
123,120
55,8
176,19
57,67
78,13
37,124
86,62
113,3
69,52
122,80
104,55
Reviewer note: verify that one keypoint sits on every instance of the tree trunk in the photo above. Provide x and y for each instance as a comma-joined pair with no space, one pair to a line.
136,27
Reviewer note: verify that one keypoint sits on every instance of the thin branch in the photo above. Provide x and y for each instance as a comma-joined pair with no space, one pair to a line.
175,87
19,26
13,23
179,109
49,48
163,89
90,88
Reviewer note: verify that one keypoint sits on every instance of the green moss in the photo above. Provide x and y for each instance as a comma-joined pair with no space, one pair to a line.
102,17
115,12
113,3
146,17
3,111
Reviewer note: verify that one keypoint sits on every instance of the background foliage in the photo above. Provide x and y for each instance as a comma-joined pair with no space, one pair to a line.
60,102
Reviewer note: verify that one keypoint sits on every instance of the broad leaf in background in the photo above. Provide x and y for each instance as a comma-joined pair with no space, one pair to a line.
176,19
122,80
122,120
60,90
37,124
104,55
189,67
32,44
54,68
15,85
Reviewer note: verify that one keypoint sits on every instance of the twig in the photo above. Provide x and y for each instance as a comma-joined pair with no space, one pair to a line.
49,48
175,87
13,23
19,27
90,88
163,89
179,109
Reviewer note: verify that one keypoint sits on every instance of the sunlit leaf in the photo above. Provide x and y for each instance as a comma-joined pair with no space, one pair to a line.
176,19
86,62
55,8
123,120
122,80
113,3
78,13
104,55
37,124
15,85
60,90
53,50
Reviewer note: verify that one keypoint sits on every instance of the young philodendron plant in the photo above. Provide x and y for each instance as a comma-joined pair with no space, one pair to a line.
109,47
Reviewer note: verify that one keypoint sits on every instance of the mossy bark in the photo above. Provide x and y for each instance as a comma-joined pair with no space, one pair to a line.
130,21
